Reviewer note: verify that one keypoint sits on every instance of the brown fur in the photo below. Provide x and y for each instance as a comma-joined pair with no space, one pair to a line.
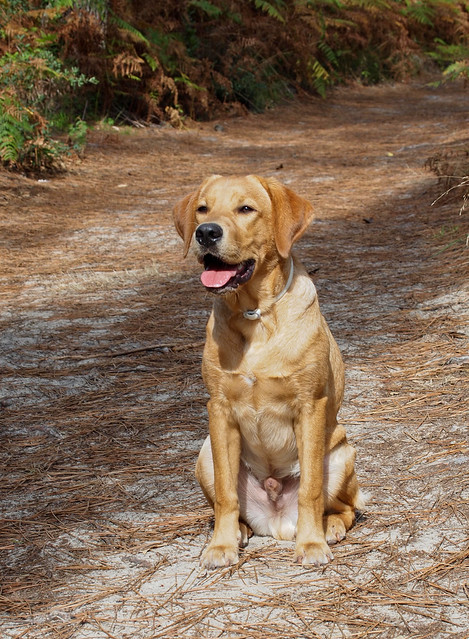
276,459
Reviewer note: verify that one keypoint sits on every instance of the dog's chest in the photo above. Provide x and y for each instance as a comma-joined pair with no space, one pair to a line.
258,393
264,409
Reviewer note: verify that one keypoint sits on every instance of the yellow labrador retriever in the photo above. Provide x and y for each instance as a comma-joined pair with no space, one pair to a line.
276,462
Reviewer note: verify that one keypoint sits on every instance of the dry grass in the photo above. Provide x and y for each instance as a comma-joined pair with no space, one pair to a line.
103,409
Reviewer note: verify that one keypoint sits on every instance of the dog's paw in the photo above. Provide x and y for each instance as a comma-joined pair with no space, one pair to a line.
219,556
313,554
335,529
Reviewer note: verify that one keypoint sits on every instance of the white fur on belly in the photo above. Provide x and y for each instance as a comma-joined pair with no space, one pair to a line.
267,517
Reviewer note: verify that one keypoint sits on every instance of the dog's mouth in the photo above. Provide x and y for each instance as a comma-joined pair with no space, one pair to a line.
219,276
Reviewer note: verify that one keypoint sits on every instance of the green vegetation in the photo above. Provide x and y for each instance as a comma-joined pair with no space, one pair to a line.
65,62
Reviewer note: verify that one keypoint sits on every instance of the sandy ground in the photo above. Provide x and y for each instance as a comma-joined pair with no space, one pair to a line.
103,407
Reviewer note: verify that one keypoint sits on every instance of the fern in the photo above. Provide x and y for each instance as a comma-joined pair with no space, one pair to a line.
270,9
320,77
319,4
132,32
184,79
457,71
151,61
77,133
24,139
207,7
15,129
369,4
330,55
421,11
445,54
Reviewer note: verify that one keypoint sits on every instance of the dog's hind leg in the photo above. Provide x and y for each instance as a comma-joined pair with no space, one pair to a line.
204,472
340,516
337,524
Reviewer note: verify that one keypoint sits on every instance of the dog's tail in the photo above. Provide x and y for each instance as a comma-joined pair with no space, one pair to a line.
361,499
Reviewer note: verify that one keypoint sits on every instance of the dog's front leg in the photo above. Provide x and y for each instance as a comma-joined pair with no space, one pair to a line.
226,449
310,430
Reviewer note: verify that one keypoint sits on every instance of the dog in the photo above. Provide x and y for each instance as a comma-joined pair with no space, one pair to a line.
276,462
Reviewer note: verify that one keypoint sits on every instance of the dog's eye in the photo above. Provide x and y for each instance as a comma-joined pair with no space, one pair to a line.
246,209
202,209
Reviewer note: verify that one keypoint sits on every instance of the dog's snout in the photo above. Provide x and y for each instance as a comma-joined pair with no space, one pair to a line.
208,234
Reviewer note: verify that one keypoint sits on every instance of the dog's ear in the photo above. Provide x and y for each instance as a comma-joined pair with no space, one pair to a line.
184,219
291,215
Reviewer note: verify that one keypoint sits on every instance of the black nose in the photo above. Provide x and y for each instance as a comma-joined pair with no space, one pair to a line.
208,234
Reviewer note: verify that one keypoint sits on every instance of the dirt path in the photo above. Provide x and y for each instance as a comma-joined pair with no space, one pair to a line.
103,408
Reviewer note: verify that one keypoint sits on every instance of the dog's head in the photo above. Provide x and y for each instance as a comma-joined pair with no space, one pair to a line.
238,223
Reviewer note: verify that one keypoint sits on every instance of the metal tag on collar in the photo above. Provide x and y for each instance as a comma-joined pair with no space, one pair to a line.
256,313
252,315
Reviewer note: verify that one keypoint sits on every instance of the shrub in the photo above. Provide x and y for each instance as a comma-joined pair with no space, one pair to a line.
24,139
34,86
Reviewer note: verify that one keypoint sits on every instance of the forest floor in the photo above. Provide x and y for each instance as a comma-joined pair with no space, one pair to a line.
103,407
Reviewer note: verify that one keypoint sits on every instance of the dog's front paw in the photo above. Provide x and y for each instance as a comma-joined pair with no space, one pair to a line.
313,554
218,556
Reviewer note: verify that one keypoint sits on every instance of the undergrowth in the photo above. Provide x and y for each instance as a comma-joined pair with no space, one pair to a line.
63,62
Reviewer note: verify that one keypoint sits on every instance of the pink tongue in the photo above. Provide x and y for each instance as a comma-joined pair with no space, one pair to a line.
217,279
